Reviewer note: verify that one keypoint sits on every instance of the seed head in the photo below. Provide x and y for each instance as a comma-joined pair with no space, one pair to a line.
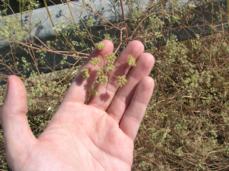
85,73
108,68
100,46
111,58
95,61
121,80
131,61
102,77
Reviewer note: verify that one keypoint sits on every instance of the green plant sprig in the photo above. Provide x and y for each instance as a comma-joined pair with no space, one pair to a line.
95,61
131,61
85,73
108,67
99,46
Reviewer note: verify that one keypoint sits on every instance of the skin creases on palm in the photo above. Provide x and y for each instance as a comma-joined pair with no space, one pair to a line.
94,135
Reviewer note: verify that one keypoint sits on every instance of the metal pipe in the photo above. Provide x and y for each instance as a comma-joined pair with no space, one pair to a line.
40,22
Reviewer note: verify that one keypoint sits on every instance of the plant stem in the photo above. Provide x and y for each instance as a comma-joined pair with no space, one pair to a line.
49,14
122,9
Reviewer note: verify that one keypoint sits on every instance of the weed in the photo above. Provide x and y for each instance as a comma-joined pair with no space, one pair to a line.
187,123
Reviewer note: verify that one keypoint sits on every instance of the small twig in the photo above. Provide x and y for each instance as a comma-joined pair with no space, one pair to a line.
139,25
122,9
49,14
32,55
89,34
69,8
123,18
120,40
70,53
104,19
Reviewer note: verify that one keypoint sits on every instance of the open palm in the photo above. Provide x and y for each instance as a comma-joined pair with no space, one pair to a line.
86,135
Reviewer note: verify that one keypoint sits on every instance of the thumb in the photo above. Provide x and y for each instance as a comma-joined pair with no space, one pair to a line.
17,133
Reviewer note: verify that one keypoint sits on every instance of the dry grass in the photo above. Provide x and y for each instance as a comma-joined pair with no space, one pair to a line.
187,123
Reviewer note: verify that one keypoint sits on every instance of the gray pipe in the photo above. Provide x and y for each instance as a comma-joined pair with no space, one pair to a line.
38,22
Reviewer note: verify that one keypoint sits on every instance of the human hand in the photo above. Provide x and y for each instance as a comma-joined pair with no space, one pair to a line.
98,135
